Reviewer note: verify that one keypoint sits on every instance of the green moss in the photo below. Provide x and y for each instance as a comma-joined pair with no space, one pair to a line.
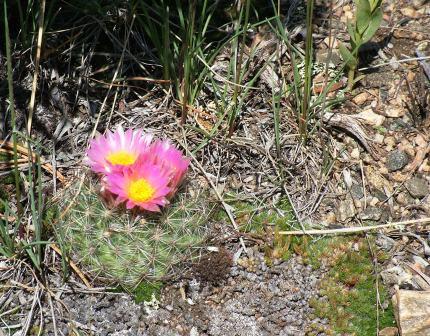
142,292
349,287
380,129
145,290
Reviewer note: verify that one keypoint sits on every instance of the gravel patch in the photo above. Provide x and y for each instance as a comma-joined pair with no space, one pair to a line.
254,299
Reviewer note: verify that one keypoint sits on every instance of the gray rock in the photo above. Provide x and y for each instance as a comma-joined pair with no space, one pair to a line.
397,124
384,242
357,191
396,160
323,55
396,276
346,210
371,213
379,194
417,187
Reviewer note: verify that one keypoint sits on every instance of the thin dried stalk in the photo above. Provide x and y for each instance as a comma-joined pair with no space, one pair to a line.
36,66
350,230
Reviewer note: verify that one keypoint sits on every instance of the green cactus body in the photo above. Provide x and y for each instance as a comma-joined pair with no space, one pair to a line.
120,248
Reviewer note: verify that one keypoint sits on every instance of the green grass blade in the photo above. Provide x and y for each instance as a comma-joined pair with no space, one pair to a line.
13,114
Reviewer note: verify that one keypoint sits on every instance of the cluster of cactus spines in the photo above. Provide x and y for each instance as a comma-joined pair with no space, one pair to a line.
121,248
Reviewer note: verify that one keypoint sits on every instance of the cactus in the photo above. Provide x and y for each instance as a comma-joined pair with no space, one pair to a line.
117,247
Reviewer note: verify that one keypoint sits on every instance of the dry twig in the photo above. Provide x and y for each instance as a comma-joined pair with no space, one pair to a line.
350,230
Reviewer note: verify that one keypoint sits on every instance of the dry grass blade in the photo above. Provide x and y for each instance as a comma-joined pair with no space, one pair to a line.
405,60
8,149
36,65
350,230
75,268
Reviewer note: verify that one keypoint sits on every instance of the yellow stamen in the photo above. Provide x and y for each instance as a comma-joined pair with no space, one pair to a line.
140,190
122,158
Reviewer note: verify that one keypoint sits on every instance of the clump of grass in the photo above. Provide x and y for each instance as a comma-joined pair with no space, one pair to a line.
119,247
178,33
14,241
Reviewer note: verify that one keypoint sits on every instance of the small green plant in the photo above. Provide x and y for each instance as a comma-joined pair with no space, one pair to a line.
119,247
368,17
238,50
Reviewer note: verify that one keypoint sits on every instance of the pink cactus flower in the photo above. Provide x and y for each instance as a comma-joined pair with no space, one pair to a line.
136,170
145,186
170,159
116,150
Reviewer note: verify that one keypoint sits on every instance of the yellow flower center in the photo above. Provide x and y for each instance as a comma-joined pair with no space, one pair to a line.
140,190
122,158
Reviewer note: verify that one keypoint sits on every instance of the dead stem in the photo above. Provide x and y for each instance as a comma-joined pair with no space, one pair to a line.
351,230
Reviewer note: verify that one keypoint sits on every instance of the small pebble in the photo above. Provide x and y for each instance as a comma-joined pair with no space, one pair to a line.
361,98
355,153
379,138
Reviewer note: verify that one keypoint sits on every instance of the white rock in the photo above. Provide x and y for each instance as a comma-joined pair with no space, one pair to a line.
355,153
379,138
395,112
194,332
371,118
